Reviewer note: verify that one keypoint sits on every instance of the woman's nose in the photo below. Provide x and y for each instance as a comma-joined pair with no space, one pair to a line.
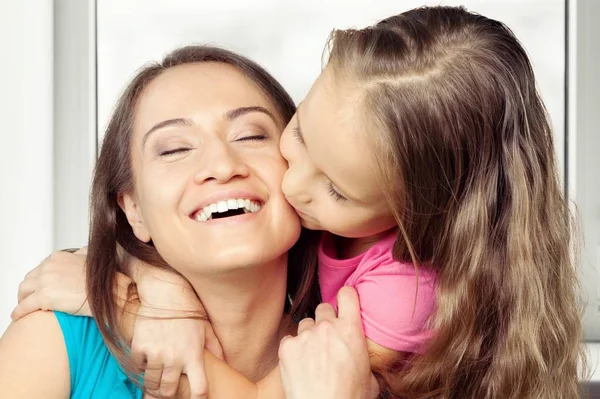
220,164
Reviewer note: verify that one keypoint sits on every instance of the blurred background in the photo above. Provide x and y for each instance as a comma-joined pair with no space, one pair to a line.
65,62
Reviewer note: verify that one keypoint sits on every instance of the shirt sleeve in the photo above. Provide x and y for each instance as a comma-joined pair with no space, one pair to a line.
396,304
71,329
95,373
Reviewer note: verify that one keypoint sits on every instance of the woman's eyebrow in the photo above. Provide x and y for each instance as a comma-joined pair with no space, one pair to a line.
229,115
237,112
168,122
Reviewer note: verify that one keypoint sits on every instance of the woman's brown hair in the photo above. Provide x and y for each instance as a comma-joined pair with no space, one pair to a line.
113,176
466,150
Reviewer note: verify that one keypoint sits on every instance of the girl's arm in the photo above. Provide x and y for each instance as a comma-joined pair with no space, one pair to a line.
223,380
58,283
383,358
33,359
165,291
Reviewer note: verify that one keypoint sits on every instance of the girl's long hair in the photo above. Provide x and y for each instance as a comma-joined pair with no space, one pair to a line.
466,153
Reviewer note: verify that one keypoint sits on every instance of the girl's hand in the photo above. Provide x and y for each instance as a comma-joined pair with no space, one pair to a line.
329,358
168,332
171,332
58,283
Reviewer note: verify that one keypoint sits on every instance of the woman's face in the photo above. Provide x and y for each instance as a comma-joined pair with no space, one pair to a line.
208,171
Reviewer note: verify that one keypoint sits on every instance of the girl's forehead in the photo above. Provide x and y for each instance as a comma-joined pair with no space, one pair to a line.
336,137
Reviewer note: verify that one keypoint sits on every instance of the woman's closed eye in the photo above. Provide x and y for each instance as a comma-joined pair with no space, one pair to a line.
253,137
174,151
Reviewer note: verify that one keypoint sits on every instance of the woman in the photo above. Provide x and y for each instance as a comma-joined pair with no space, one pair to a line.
200,128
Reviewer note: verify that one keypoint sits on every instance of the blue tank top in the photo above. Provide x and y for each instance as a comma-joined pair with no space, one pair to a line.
95,373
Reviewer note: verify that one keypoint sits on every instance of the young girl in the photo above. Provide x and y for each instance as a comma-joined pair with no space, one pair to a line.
425,154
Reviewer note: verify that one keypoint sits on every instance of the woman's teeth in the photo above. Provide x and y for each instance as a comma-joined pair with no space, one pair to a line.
207,212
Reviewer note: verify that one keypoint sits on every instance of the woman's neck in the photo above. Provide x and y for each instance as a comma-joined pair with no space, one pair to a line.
245,308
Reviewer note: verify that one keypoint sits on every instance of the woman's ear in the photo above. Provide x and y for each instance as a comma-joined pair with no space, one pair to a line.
134,216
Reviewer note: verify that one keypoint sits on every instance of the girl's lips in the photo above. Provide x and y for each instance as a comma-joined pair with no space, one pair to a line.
299,212
305,216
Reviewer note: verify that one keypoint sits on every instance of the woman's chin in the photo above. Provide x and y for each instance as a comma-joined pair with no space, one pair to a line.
221,256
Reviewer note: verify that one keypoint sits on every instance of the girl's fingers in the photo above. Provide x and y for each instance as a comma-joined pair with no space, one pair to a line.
153,376
197,380
26,288
305,324
348,305
28,305
324,312
169,380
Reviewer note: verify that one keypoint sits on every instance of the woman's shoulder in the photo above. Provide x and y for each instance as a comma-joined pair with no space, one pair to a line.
33,359
80,334
94,370
81,338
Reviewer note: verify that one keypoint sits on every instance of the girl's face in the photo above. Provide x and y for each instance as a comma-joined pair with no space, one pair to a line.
208,171
331,180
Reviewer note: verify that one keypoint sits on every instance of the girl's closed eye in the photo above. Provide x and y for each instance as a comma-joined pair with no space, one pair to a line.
334,194
298,134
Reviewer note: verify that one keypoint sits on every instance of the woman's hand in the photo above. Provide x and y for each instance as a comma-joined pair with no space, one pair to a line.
329,358
58,283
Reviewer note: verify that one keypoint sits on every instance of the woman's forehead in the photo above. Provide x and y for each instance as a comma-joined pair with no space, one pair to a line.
190,89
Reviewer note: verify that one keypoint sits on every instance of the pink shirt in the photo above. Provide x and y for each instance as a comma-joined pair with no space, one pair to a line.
392,317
